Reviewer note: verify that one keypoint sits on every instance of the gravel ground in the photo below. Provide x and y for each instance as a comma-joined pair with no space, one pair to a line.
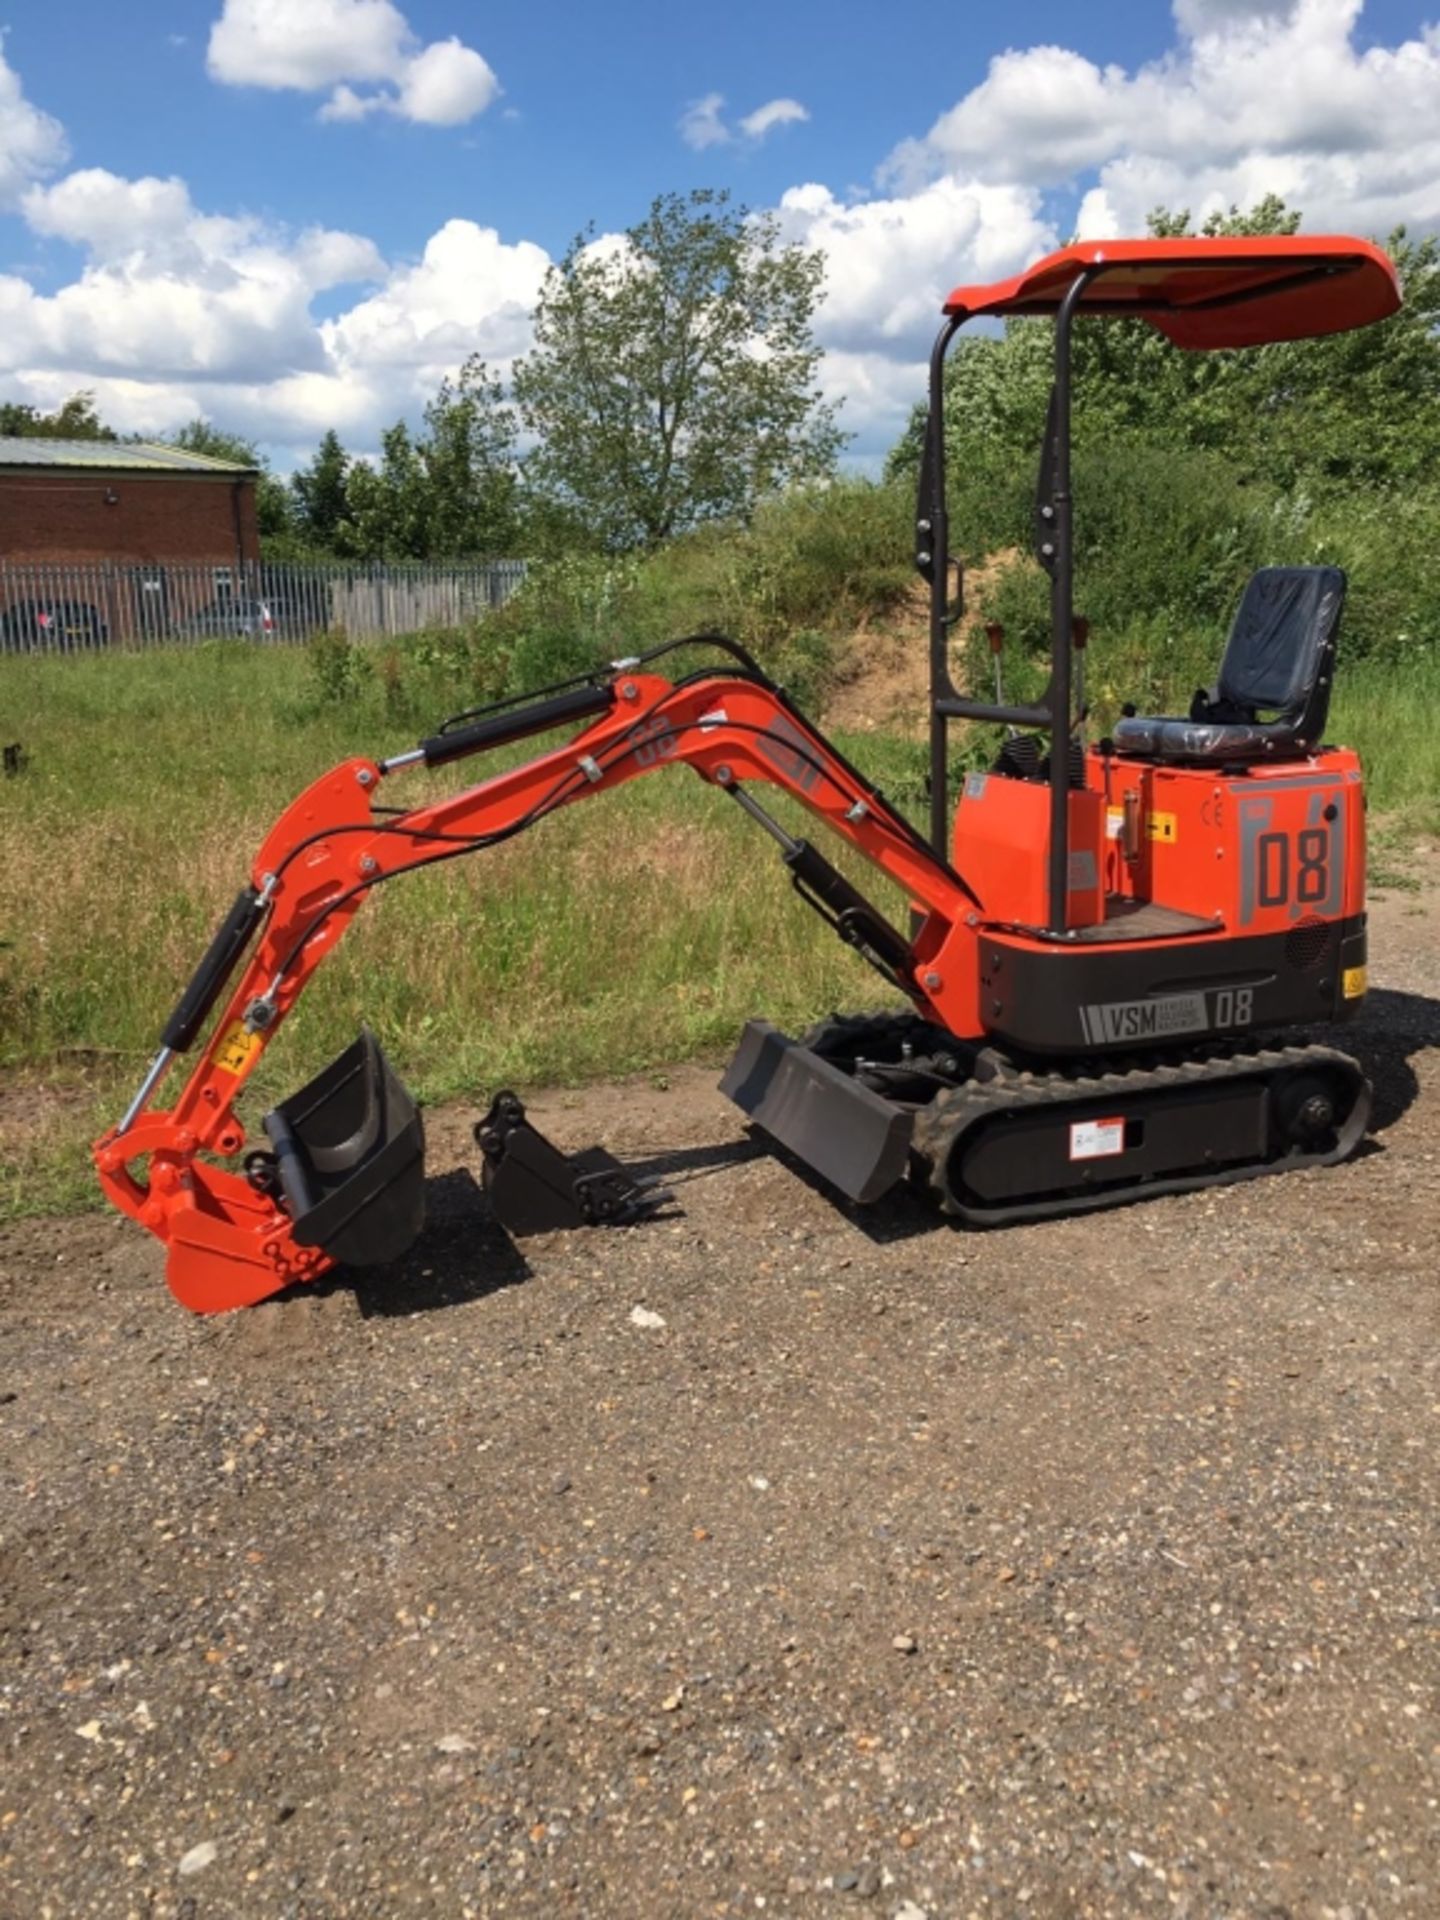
1083,1569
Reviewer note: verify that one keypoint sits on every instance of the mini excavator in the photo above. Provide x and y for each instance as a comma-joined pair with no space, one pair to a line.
1113,949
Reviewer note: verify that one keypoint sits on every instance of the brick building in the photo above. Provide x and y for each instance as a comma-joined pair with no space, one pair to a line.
122,526
69,501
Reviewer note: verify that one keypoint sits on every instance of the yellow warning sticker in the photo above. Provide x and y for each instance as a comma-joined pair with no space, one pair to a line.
1158,826
1352,983
236,1047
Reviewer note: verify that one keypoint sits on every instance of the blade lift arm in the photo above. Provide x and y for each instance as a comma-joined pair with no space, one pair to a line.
229,1238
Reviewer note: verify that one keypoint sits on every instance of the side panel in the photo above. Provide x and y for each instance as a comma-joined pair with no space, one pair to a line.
1001,846
1060,1000
1263,850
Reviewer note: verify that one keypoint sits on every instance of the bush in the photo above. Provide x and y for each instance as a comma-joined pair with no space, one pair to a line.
791,586
1165,539
339,671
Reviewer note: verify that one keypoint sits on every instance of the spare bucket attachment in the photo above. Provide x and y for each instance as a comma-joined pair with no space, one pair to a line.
850,1136
350,1159
534,1188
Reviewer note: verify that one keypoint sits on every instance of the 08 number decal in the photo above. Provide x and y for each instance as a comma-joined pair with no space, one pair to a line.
1305,877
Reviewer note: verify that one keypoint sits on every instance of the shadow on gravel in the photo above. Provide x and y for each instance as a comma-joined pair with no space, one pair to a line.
462,1255
1391,1030
897,1215
685,1164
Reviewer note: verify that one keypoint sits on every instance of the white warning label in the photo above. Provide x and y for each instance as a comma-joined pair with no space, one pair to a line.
1096,1139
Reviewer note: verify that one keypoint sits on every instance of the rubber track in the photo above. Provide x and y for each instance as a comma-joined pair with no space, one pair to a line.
940,1125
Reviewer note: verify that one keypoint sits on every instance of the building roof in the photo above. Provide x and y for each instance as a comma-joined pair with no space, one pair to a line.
1214,292
111,456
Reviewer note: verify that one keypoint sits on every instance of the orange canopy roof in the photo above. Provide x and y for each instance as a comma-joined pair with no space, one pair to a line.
1209,293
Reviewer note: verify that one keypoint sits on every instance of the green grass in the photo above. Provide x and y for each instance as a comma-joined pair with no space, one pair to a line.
1387,711
640,930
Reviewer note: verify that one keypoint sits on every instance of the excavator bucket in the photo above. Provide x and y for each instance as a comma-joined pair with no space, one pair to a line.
535,1188
350,1159
850,1136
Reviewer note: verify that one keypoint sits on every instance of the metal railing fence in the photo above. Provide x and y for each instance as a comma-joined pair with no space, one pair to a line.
80,607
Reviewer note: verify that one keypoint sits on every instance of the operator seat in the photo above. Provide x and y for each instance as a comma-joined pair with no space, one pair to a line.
1279,659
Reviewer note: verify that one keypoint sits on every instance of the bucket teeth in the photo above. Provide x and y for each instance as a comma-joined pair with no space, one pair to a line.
535,1188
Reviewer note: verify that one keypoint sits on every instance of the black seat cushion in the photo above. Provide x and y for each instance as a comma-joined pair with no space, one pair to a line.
1279,660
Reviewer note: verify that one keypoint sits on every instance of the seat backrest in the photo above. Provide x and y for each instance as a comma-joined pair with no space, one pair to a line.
1280,656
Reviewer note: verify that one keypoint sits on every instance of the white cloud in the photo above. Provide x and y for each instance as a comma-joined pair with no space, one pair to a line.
703,122
470,292
177,313
171,304
891,262
314,45
1197,17
1255,98
32,142
108,216
774,113
702,125
446,85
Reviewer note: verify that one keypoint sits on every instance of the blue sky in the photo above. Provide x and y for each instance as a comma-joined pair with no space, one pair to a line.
286,214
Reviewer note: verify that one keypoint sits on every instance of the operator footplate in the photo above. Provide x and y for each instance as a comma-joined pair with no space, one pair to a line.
1028,1146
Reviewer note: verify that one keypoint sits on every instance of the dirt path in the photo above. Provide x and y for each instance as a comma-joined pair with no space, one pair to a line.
1085,1569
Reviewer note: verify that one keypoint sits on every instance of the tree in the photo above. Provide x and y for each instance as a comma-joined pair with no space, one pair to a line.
388,503
469,463
321,494
1353,408
672,375
77,419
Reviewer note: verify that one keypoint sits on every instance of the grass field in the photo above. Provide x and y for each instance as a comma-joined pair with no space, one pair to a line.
641,930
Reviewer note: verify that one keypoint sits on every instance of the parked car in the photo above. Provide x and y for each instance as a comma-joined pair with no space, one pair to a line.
51,626
231,619
250,617
300,614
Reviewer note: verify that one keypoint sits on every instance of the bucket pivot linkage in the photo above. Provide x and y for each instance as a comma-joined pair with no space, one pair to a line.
535,1188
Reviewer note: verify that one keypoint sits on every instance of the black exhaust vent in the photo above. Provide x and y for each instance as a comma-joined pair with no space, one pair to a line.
1307,943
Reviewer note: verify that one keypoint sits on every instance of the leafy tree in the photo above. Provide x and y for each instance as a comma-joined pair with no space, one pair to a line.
77,419
1357,408
213,443
469,462
389,502
672,376
321,494
449,494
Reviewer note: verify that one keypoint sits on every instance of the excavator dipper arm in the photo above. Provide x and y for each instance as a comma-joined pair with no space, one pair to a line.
233,1240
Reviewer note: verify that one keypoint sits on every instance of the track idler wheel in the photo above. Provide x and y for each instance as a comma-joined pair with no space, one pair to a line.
1305,1108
